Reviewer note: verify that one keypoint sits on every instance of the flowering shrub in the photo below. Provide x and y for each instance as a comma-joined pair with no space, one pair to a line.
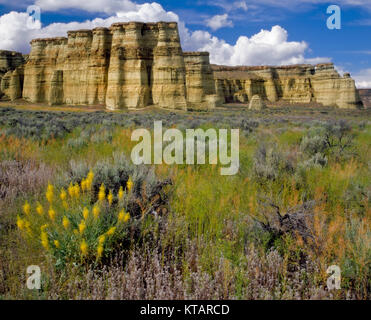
70,227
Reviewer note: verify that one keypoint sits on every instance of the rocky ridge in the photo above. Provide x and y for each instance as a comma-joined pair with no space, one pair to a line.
292,84
133,65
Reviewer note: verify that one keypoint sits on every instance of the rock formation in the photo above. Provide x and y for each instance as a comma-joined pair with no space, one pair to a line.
11,74
130,65
365,95
256,103
133,65
291,84
201,94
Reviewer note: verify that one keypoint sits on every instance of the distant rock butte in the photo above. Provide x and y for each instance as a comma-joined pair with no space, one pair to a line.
133,65
365,95
290,84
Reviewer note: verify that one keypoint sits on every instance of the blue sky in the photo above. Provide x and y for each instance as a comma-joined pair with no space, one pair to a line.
295,31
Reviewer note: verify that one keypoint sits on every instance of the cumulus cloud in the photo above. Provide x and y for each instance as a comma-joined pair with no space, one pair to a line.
268,47
363,79
219,21
15,35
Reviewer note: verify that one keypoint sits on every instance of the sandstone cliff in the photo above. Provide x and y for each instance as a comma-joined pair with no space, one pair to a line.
130,65
11,74
133,65
291,84
201,93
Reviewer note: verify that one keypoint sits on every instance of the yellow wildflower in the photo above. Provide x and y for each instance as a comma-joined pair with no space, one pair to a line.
40,209
76,232
123,216
101,239
51,213
71,190
57,244
76,190
50,193
84,247
63,195
111,231
96,211
82,226
26,208
20,223
83,185
43,227
99,251
89,180
90,176
44,240
102,193
85,213
65,222
127,217
120,195
129,184
110,198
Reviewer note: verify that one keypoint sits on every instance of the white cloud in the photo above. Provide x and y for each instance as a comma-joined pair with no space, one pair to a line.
363,79
264,48
219,21
241,5
228,5
14,34
268,47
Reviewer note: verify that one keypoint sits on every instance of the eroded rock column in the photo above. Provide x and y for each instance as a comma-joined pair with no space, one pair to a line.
100,53
201,93
128,80
169,83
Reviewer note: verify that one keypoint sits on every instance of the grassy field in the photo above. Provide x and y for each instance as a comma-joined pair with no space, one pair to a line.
99,227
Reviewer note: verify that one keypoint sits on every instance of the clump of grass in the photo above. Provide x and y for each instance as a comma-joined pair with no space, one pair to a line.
23,177
270,163
333,139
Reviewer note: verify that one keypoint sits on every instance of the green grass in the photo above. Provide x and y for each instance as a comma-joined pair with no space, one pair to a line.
217,212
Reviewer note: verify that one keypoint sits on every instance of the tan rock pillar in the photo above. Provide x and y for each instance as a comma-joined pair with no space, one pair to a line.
33,89
56,95
98,66
128,75
76,66
201,93
15,86
169,83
